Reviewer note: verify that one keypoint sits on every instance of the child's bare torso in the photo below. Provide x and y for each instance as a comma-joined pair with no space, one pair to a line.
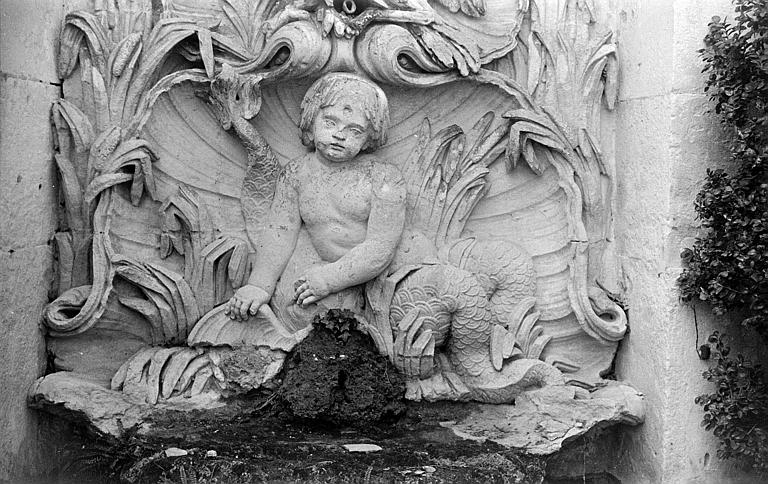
334,202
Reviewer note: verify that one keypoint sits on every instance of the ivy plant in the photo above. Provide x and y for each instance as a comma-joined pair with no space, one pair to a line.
728,266
736,412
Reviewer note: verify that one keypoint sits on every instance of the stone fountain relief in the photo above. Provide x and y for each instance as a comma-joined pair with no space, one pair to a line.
231,169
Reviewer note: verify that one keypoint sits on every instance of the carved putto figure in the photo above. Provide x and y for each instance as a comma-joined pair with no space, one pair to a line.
467,226
336,222
337,213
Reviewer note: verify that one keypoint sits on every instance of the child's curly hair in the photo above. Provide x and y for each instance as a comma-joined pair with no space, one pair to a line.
333,87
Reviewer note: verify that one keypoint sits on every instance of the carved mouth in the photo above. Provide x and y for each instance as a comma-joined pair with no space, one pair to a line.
281,56
353,8
409,64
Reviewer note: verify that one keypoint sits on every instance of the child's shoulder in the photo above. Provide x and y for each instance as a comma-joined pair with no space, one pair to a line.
294,170
386,179
379,168
296,164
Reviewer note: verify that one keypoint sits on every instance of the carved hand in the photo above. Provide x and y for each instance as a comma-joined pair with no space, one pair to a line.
311,287
246,301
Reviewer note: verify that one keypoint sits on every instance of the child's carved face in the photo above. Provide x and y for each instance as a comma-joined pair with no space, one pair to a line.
340,131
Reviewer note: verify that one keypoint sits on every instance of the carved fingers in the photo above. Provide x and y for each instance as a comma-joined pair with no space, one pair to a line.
414,347
310,288
246,302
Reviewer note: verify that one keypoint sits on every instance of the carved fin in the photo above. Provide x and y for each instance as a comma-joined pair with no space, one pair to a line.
175,368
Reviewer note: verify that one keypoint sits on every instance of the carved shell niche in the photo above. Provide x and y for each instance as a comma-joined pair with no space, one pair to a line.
542,211
519,206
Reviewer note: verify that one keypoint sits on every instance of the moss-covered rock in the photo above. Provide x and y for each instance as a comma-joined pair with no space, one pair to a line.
336,375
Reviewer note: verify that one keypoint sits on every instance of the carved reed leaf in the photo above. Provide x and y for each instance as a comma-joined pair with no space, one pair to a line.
69,120
58,315
169,304
82,27
206,50
473,8
123,61
599,78
77,123
186,228
133,155
445,175
223,264
238,15
447,51
166,35
150,97
100,102
157,374
528,128
125,51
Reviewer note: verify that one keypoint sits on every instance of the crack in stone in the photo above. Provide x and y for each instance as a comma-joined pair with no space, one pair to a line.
7,75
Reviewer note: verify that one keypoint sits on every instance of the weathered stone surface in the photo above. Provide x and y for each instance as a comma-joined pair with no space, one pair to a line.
541,421
657,42
27,219
468,239
246,369
25,275
642,74
107,412
665,142
29,31
27,171
97,356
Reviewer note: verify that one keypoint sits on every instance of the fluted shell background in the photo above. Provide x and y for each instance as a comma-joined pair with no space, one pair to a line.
519,206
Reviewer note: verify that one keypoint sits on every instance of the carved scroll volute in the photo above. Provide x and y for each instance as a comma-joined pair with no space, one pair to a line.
391,54
295,50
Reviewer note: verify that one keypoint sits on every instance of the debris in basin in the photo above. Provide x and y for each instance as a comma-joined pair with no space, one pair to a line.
365,448
175,452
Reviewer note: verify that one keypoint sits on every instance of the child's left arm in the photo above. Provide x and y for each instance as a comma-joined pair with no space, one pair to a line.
368,259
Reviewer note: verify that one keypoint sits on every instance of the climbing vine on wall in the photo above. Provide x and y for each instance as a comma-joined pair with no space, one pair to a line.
728,266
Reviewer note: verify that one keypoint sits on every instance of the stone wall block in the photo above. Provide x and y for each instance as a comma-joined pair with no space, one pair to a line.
691,19
23,295
27,172
642,226
698,143
642,183
29,31
644,33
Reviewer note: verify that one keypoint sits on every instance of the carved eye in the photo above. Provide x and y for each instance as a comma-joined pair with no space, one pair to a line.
356,132
329,123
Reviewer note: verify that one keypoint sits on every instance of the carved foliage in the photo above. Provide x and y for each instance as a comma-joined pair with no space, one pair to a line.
119,61
120,55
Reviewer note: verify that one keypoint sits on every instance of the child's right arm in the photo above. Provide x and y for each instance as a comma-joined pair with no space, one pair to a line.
276,244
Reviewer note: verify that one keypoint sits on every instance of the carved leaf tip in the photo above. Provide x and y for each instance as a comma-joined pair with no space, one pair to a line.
472,8
125,51
206,50
611,89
